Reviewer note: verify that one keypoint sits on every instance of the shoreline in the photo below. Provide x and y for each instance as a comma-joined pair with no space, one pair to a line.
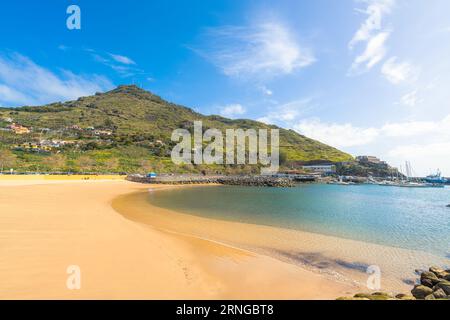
47,226
338,259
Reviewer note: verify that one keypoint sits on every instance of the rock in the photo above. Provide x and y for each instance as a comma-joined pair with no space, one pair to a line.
430,297
428,283
444,285
440,294
439,272
421,291
381,294
350,298
374,296
429,279
419,271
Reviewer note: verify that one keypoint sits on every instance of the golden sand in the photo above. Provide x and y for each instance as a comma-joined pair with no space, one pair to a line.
47,226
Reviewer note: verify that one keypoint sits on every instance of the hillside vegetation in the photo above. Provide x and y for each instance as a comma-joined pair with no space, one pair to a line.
124,130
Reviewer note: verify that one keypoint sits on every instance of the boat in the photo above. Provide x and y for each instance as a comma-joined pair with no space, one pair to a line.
410,184
341,182
387,183
436,178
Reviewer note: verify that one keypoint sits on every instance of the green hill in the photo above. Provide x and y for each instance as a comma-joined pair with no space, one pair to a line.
124,130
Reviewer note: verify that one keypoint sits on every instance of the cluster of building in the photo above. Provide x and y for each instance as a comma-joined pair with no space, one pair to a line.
18,129
322,169
370,160
43,145
327,169
97,132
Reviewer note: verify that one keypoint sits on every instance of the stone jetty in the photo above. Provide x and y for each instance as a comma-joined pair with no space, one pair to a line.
250,181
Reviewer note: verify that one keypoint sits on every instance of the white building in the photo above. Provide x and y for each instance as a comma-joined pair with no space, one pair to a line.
321,168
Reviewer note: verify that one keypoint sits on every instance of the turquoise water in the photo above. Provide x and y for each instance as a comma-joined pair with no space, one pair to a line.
399,217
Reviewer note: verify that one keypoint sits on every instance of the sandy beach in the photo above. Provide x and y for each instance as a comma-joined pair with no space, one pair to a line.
47,226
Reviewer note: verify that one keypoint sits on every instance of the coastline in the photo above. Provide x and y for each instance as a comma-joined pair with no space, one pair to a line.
47,226
337,259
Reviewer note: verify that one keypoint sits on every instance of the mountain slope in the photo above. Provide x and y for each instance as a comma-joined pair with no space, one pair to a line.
126,129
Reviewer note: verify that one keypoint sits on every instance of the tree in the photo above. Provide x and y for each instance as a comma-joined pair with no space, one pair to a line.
7,159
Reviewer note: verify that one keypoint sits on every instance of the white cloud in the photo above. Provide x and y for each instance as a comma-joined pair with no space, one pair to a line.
266,90
372,33
440,149
287,113
336,135
424,143
122,59
347,135
425,158
24,82
410,99
409,129
430,148
263,50
397,72
123,65
232,110
375,52
9,94
439,128
375,10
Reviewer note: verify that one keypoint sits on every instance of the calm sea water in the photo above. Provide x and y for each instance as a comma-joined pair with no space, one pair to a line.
400,217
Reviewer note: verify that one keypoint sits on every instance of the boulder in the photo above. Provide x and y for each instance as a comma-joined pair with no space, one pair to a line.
430,297
374,296
429,279
444,285
427,282
440,294
381,294
350,298
419,271
439,272
421,291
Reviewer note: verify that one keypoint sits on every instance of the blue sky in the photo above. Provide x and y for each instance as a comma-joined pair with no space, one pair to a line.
368,77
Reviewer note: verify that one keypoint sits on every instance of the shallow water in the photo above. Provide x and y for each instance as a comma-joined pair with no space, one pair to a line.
398,217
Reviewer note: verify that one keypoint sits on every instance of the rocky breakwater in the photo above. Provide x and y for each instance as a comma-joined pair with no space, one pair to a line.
174,180
250,181
257,181
434,285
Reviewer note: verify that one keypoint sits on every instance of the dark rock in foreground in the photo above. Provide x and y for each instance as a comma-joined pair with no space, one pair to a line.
421,292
